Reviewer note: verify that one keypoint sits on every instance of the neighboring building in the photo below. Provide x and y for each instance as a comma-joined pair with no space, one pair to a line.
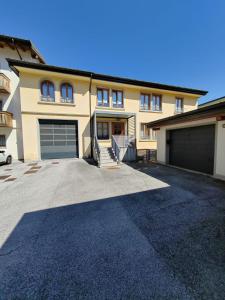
194,140
10,112
212,102
73,113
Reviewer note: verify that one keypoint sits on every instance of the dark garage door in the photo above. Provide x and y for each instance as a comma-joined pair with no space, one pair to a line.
58,139
193,148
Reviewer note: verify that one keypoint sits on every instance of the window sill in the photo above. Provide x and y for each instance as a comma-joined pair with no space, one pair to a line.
151,111
56,103
147,140
110,108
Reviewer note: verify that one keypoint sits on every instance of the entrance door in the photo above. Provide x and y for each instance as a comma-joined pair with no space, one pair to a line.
118,128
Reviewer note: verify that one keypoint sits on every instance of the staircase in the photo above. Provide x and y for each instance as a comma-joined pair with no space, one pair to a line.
107,157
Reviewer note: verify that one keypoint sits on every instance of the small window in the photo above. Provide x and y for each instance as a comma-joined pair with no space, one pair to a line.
179,105
147,133
156,102
2,141
1,105
66,93
103,130
102,97
117,99
47,91
145,102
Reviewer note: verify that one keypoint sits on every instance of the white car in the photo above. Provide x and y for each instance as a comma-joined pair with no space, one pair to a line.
5,157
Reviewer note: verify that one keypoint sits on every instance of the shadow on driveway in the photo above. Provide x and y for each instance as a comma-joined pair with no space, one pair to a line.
166,243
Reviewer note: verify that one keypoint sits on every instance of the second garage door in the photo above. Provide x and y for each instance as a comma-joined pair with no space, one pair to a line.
193,148
58,139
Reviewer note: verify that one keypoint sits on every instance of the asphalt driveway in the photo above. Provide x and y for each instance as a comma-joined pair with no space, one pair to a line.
69,230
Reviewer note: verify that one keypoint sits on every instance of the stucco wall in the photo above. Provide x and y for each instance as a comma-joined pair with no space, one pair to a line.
220,150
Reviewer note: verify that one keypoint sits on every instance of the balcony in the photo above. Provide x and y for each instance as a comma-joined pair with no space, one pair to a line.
6,119
4,84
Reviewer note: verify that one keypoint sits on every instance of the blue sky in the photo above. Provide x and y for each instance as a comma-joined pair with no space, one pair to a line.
168,41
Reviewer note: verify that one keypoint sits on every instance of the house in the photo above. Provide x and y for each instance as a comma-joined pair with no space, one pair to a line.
10,114
194,140
73,113
212,102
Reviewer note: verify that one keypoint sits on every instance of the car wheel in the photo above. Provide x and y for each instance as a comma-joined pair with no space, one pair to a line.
9,160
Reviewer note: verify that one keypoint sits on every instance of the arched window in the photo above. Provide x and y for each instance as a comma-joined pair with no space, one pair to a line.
66,93
47,91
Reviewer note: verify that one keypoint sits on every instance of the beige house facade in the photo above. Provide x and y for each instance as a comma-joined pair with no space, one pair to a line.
96,107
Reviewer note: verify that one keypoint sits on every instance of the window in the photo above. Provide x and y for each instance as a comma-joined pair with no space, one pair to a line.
117,99
66,93
103,130
47,91
145,102
156,102
102,97
179,105
147,133
1,105
2,141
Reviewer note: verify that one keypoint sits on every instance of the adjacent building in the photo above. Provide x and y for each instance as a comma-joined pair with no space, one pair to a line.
10,110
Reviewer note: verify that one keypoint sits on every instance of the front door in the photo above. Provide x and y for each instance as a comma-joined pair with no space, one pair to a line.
118,128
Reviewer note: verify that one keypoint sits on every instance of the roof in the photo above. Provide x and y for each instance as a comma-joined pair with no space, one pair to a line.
24,44
217,100
16,63
200,113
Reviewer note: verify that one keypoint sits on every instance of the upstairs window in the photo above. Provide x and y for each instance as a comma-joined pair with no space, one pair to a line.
147,133
1,105
117,99
145,102
156,102
179,105
47,91
66,93
102,97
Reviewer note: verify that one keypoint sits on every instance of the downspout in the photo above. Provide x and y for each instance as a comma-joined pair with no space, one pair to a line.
91,121
17,50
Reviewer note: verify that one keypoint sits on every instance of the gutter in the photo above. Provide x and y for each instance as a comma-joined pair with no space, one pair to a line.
17,50
91,127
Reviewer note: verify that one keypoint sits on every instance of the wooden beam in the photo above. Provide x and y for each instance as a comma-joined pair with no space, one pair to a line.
1,45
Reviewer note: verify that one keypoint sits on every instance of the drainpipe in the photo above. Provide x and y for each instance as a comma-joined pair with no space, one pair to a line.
17,50
91,121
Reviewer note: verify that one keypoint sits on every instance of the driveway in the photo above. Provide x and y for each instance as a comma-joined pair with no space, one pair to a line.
69,230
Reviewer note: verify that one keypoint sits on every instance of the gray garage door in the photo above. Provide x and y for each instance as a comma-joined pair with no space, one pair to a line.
58,139
193,148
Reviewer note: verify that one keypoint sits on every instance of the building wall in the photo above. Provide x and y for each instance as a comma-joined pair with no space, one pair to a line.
220,150
132,105
219,158
33,109
11,102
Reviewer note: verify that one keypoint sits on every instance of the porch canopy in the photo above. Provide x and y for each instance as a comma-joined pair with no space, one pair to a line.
113,114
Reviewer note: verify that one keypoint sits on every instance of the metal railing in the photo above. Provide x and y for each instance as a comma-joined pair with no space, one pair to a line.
97,151
116,149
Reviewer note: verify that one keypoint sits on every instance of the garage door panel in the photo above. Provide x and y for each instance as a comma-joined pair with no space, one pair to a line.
58,139
193,148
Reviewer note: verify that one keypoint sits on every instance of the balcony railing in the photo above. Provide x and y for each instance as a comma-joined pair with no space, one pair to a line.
4,84
6,119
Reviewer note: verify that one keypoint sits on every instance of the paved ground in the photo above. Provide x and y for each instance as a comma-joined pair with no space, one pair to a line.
73,231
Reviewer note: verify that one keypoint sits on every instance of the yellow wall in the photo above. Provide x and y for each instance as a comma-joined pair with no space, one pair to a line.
33,109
